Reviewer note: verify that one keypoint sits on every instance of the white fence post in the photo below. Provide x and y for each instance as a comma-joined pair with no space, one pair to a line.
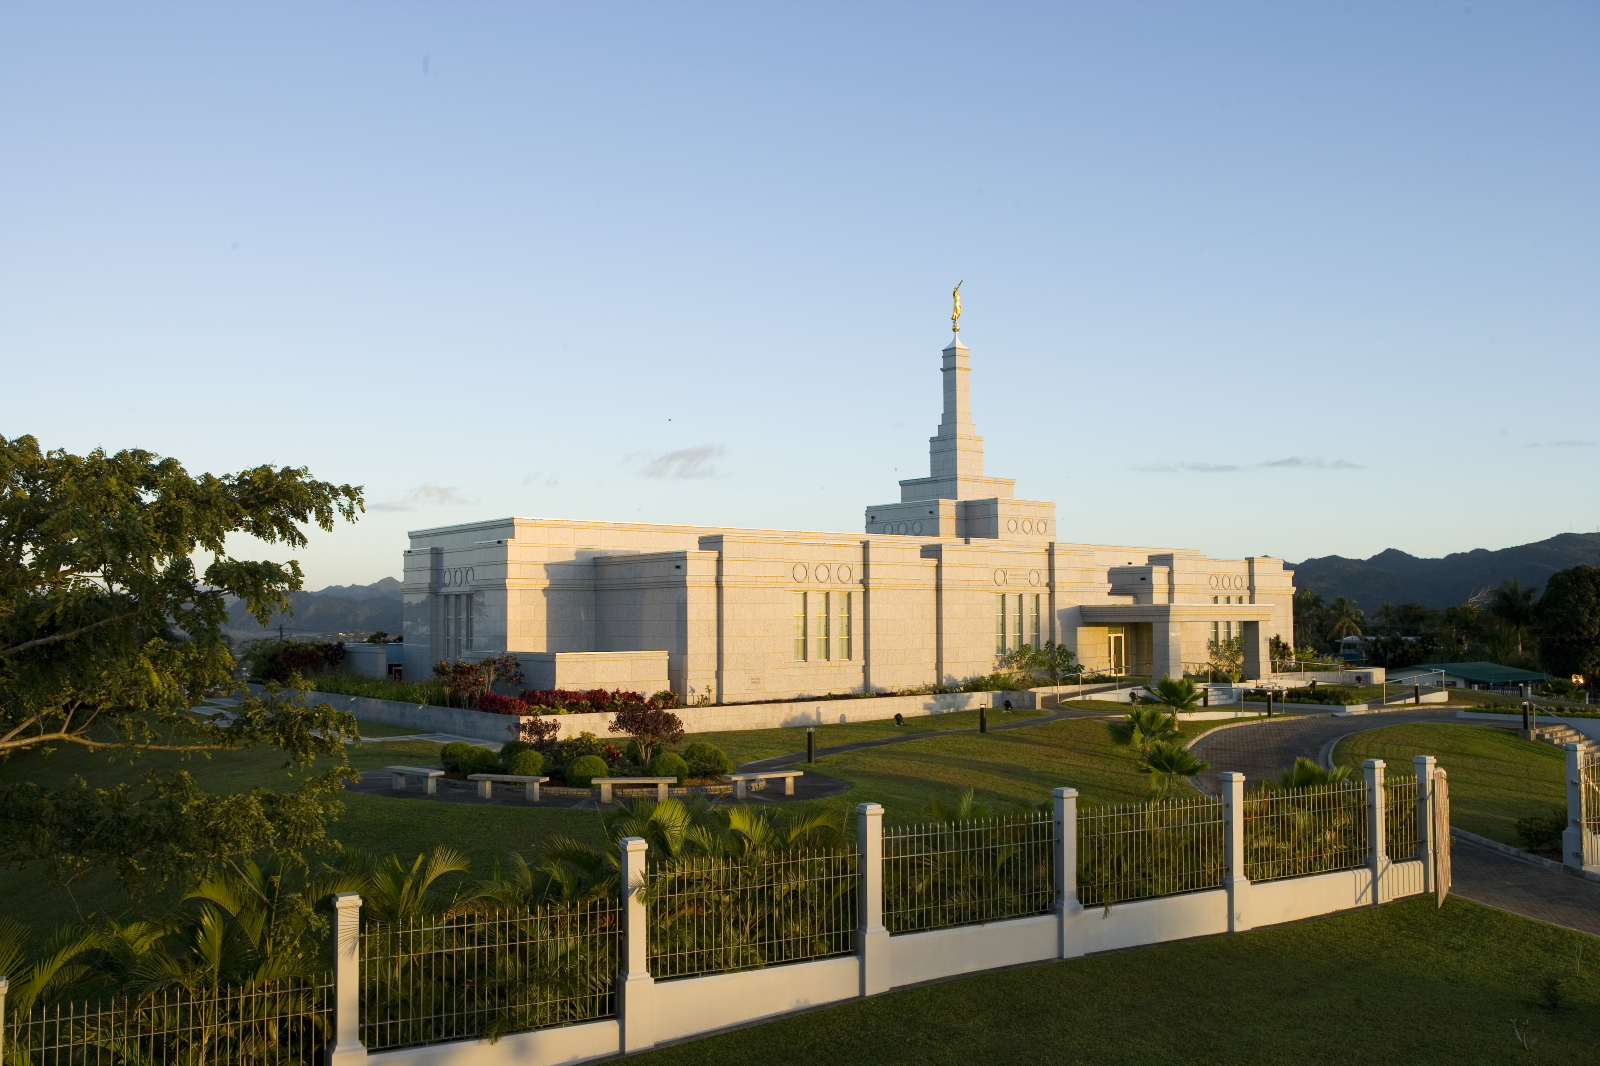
1425,765
1234,880
1377,847
347,1048
1067,905
872,939
636,989
4,984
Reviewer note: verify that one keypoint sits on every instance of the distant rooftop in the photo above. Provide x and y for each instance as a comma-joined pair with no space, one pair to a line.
1476,673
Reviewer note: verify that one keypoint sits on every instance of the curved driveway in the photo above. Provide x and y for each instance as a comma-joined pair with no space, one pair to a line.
1261,748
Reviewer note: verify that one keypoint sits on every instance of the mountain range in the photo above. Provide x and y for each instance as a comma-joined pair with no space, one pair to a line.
335,609
1397,577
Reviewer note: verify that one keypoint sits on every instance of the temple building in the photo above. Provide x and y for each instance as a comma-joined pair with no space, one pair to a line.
941,582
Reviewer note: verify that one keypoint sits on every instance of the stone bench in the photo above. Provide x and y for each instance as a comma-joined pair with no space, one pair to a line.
426,773
742,781
486,784
606,783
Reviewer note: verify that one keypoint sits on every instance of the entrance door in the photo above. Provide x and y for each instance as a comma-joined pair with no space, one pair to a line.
1118,655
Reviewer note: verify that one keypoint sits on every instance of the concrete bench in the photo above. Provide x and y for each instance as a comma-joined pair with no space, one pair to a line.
425,773
486,784
742,781
661,784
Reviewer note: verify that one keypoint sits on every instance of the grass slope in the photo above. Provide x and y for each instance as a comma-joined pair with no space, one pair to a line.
1403,983
1495,776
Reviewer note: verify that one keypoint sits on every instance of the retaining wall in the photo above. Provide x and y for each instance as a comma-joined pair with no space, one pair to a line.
481,725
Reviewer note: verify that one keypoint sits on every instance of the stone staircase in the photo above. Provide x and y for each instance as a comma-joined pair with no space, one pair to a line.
1561,736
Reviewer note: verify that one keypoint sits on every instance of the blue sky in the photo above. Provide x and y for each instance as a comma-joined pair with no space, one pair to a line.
1297,279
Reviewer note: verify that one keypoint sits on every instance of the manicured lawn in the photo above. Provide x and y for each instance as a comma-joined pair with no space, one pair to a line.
1495,776
747,744
1404,984
1009,769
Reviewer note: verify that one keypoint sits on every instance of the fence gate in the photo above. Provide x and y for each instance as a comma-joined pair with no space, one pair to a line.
1589,805
1441,835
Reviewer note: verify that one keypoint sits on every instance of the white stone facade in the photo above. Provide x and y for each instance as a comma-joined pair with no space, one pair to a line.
940,583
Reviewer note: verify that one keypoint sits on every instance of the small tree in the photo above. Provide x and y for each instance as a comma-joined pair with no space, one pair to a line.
1057,662
1227,658
1180,695
649,726
1568,615
1166,762
1306,773
1141,728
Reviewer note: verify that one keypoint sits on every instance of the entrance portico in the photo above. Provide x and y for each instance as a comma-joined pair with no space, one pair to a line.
1173,626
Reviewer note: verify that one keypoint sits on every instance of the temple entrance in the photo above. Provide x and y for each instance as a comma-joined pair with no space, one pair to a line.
1118,651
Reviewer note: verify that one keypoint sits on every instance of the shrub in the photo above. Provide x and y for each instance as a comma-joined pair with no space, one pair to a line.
495,703
1543,831
582,771
577,747
525,763
630,751
666,698
276,660
650,727
509,749
477,761
709,755
669,764
452,752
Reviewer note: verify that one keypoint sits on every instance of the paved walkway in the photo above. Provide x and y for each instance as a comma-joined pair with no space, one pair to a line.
1486,876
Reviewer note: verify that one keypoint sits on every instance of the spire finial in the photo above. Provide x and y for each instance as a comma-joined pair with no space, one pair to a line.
955,316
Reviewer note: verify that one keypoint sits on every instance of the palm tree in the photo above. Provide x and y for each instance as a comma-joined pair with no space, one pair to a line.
1307,773
1512,605
965,808
1182,695
1344,619
1142,727
392,893
1166,762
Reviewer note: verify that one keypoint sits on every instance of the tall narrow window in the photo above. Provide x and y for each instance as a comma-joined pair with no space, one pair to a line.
846,651
1019,637
822,625
1033,625
1227,630
800,626
1000,623
1215,629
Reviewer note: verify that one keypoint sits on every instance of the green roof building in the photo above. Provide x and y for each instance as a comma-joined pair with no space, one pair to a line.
1490,676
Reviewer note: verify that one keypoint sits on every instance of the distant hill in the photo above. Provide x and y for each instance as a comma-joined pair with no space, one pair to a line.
335,609
1400,578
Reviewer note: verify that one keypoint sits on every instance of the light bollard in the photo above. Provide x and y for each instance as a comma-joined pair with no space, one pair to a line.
811,744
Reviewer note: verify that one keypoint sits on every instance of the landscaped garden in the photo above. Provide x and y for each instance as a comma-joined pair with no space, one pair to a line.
1496,777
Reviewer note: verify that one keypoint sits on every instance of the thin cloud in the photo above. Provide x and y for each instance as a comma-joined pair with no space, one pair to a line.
1297,462
540,477
685,463
1564,444
1293,462
1190,468
425,495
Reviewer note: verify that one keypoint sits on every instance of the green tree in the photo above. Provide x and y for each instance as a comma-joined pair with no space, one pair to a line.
1512,606
110,638
1179,695
1142,727
1226,658
1167,762
1568,616
1310,614
1344,619
1306,773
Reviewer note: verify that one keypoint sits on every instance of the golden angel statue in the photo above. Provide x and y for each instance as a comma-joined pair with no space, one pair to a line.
955,316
